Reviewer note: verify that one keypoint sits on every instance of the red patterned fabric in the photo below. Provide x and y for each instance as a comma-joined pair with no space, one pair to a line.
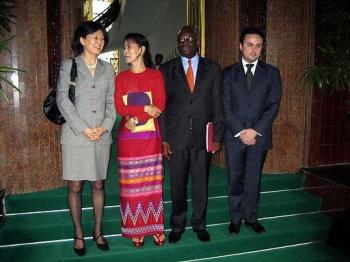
140,158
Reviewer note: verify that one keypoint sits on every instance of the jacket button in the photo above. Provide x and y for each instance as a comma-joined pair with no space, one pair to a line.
94,111
93,86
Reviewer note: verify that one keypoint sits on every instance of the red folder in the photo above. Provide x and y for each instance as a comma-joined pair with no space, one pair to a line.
210,137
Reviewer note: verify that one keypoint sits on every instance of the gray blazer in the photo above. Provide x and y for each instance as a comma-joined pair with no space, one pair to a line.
94,102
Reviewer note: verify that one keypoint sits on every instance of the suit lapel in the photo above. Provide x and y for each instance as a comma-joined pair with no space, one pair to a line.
99,72
239,77
259,76
82,68
200,75
182,75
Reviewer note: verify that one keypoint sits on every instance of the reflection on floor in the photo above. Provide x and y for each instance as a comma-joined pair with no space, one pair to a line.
332,183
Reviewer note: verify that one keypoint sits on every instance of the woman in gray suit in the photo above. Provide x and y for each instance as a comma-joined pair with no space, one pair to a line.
86,135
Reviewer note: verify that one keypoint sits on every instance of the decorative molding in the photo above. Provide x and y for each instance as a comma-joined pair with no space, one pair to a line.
53,40
196,18
109,15
87,10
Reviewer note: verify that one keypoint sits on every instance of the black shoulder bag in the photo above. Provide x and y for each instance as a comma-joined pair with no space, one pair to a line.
51,110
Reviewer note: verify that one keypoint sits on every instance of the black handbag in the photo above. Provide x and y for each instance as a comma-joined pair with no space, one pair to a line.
51,110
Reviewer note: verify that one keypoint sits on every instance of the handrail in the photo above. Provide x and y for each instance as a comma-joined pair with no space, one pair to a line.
2,207
109,15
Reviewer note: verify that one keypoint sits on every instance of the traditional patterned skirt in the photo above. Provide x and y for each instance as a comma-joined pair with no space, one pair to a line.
140,183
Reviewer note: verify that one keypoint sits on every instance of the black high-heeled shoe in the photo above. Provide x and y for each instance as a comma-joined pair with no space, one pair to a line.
79,251
103,246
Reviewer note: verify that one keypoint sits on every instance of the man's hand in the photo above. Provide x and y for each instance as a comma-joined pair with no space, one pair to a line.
248,136
216,147
166,150
251,142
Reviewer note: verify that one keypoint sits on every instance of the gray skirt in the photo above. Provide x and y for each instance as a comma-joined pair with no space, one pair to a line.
85,163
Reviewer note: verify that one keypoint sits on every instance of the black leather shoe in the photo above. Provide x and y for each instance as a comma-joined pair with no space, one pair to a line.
203,235
104,246
79,251
174,236
256,226
234,228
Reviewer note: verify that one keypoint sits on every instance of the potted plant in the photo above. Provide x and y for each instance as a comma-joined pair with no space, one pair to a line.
7,18
332,68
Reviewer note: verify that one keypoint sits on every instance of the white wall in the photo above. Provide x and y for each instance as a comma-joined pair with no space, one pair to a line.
158,20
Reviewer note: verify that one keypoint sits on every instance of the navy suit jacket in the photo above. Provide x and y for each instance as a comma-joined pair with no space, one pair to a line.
185,110
255,108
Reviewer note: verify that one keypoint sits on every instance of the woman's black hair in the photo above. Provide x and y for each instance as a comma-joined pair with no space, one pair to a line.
141,40
84,29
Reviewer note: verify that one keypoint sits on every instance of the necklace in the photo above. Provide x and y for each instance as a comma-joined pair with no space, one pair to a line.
88,65
91,66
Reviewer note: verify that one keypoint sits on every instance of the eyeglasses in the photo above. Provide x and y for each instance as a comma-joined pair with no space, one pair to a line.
186,40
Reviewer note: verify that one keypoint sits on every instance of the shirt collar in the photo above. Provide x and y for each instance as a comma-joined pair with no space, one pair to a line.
194,59
244,62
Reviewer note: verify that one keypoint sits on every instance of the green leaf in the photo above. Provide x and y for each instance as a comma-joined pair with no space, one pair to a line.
6,69
2,94
9,83
7,17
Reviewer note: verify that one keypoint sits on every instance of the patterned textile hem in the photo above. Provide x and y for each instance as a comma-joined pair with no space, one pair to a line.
141,135
142,231
141,194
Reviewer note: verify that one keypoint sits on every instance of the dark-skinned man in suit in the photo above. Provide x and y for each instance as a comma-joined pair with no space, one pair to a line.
194,98
252,94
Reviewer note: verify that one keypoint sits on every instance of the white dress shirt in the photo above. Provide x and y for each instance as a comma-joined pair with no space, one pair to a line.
194,61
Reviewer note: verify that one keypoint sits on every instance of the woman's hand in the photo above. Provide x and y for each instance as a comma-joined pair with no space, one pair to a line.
100,131
152,111
91,134
130,123
94,134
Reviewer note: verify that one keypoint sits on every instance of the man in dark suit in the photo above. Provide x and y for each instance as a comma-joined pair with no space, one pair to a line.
194,98
252,94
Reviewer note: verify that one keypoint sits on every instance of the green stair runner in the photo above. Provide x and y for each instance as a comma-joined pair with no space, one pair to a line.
315,251
281,231
296,230
35,227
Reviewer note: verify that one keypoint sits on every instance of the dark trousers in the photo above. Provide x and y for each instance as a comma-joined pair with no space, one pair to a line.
184,163
244,164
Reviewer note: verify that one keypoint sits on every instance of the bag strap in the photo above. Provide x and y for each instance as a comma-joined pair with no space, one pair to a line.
73,72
